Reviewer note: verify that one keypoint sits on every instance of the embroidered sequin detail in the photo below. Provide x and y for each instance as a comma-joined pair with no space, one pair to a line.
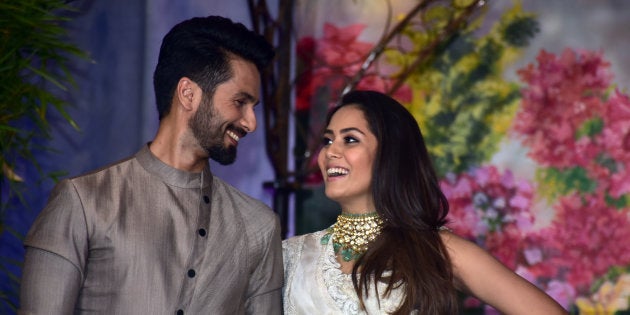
337,283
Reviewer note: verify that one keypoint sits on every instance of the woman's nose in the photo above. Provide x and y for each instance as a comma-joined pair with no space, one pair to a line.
333,152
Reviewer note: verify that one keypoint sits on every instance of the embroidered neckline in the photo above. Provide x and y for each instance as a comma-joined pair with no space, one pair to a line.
340,289
335,281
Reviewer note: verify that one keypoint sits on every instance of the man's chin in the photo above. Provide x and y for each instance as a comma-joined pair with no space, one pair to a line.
222,155
224,161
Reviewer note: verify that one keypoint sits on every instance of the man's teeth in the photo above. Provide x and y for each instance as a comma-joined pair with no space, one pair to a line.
336,171
233,135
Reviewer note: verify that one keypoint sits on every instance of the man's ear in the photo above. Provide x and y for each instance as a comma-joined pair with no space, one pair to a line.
188,93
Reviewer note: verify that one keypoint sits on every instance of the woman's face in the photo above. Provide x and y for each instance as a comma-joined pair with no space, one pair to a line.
346,158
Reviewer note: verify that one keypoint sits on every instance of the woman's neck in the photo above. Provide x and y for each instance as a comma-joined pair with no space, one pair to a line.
357,207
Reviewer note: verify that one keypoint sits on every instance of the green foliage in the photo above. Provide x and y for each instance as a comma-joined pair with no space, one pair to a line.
34,74
590,128
519,31
620,203
559,182
461,100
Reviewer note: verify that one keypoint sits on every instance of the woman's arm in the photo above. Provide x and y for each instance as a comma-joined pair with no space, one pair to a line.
486,278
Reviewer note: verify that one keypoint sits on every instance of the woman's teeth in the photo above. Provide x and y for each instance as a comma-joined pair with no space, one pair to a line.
336,171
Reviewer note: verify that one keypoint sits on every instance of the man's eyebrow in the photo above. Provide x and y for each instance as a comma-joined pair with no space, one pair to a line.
248,97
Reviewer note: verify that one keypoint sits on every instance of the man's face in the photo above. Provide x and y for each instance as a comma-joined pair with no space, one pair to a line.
220,123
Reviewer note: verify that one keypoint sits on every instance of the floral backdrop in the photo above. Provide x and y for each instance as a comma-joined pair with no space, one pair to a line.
565,227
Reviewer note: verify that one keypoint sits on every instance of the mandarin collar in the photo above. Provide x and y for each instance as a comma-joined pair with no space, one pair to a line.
171,175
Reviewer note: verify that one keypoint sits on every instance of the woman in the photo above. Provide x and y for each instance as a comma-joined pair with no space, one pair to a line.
388,252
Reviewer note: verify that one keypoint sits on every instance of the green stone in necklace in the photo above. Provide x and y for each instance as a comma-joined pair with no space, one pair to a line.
352,234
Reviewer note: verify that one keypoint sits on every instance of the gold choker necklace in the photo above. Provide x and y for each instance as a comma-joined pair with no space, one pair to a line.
352,233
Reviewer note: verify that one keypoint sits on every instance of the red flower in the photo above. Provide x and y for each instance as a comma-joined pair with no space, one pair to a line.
586,238
329,64
563,93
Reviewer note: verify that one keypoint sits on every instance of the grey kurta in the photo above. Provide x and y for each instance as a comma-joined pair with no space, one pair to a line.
140,237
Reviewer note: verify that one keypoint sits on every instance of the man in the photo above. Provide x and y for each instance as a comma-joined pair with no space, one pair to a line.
157,233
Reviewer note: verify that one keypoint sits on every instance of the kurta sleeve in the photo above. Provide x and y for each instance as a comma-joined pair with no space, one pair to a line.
56,251
265,286
50,284
61,227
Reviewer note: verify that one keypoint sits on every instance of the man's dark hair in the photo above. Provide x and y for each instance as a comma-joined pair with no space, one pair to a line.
200,49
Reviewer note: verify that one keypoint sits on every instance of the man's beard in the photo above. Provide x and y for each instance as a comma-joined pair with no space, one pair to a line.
221,154
207,128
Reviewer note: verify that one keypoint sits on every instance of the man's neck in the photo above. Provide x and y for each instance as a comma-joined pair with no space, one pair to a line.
177,150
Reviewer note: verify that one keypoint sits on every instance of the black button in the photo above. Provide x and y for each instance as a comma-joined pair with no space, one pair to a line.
206,199
180,312
191,273
202,232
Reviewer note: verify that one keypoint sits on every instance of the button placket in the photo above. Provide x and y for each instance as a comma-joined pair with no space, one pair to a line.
198,249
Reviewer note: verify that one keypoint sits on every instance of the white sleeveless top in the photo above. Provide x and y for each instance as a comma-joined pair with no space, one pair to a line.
314,283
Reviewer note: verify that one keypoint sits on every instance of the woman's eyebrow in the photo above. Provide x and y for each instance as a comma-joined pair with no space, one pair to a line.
345,130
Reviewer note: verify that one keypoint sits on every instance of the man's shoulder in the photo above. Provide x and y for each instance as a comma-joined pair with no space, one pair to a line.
245,201
107,168
102,177
252,211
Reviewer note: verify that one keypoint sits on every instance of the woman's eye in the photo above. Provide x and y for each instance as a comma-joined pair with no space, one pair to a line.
326,141
350,139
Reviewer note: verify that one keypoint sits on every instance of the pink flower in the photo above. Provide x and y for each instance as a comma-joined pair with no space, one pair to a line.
563,93
620,181
585,239
471,302
506,245
340,47
328,64
616,133
492,209
562,292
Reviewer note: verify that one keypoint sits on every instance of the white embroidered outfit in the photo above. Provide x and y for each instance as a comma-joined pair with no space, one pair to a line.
314,283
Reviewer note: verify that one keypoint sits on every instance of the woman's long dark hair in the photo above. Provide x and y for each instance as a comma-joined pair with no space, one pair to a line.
408,198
